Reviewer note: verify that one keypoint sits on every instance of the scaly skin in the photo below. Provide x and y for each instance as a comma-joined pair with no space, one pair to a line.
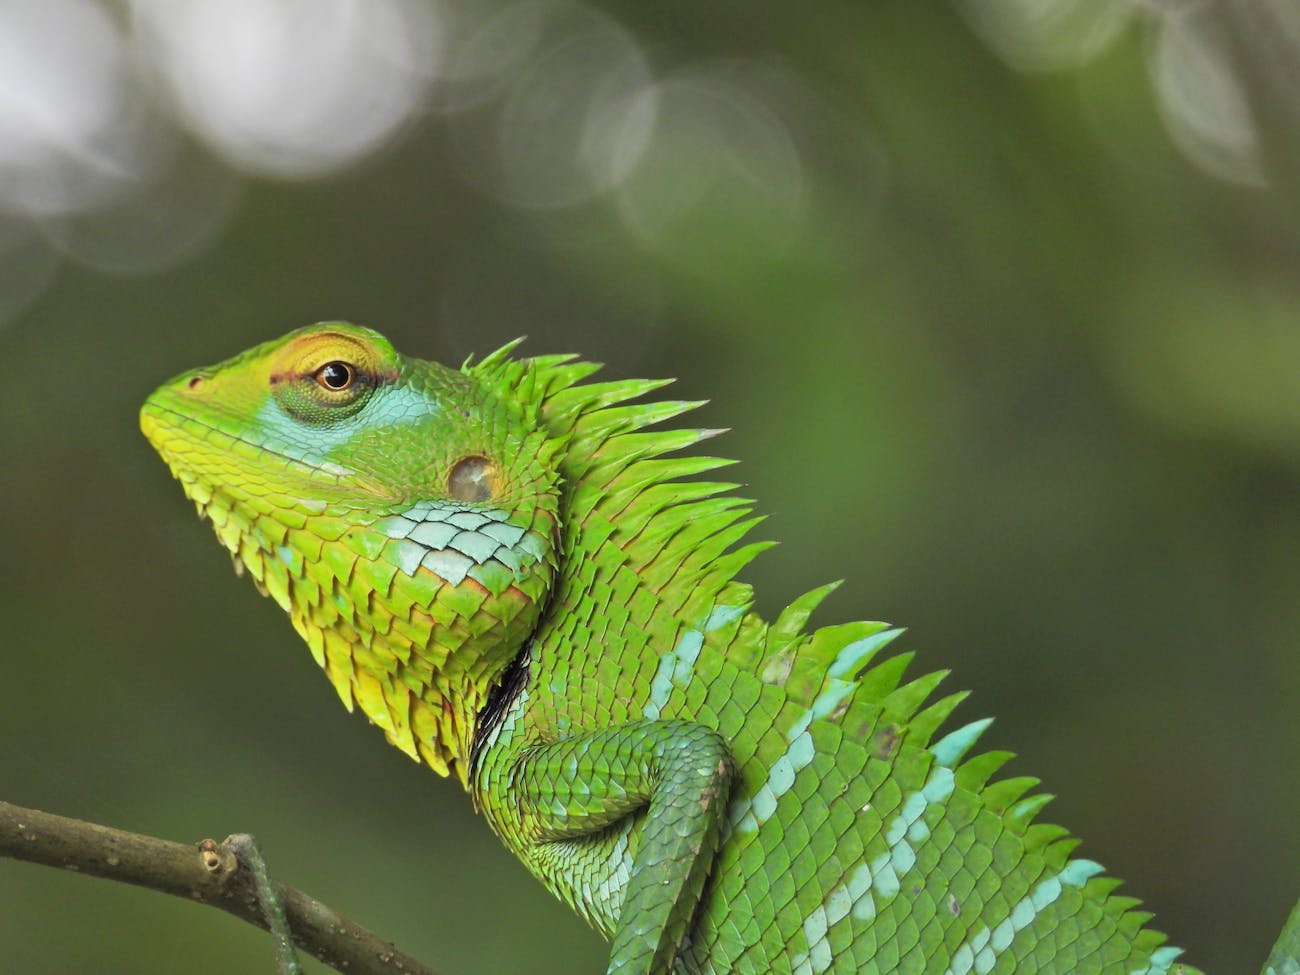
497,566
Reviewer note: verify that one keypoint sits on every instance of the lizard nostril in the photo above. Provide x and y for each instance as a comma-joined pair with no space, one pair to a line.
195,384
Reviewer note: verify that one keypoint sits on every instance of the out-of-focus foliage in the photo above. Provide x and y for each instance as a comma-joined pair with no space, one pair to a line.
1000,297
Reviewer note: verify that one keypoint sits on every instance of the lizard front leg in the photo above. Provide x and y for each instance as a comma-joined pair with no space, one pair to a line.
680,774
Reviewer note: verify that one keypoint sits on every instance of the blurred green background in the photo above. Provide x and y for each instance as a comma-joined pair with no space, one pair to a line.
999,296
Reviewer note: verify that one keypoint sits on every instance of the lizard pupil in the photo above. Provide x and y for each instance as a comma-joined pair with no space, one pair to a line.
336,376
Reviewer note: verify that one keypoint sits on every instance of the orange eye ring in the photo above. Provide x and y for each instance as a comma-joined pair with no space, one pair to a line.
337,376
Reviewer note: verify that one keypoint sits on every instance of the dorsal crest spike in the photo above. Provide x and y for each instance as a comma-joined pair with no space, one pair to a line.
496,355
950,749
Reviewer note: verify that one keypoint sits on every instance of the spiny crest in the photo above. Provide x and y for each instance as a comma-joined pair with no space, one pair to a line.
678,535
682,537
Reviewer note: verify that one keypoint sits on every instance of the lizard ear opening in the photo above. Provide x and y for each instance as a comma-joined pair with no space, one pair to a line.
472,478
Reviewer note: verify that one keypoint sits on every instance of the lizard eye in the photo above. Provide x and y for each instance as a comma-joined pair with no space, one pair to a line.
324,377
336,376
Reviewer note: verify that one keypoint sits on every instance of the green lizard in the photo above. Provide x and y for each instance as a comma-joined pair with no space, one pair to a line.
501,568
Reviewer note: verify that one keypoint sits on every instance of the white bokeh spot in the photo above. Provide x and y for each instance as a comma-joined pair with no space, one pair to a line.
71,122
558,132
1202,101
292,88
720,177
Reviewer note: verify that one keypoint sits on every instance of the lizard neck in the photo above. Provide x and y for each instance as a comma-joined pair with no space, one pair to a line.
415,615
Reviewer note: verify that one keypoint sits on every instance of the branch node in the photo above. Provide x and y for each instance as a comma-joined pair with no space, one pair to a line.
218,859
221,878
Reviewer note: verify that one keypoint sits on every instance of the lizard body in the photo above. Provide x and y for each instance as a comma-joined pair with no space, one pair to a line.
501,568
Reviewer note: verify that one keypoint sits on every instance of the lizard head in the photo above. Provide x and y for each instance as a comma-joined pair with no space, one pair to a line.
401,512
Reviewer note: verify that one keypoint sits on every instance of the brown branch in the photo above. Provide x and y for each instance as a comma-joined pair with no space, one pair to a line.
208,872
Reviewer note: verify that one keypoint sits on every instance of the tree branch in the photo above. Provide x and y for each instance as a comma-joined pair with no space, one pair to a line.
208,872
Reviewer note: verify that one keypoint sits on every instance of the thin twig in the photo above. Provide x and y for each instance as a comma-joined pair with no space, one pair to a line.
209,872
249,852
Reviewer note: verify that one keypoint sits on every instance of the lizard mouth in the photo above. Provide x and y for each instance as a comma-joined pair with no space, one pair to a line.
182,438
205,456
191,448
